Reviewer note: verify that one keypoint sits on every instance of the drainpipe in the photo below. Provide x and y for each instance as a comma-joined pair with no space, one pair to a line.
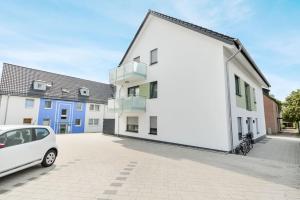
6,109
228,90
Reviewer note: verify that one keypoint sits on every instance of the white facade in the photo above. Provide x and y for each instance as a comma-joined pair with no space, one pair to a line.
13,110
94,117
192,104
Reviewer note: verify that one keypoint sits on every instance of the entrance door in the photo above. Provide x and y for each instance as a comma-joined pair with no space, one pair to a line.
63,128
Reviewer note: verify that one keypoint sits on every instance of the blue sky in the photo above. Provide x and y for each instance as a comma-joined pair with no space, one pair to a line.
87,38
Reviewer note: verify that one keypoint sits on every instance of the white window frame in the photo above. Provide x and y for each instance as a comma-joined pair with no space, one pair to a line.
81,106
50,104
26,105
79,122
49,121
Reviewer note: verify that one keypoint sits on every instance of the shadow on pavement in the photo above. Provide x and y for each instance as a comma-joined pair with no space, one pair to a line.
268,170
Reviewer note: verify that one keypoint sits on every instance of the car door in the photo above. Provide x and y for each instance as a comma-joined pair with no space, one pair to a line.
41,142
16,150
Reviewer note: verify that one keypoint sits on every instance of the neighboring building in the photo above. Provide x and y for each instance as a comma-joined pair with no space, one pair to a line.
67,104
272,113
171,86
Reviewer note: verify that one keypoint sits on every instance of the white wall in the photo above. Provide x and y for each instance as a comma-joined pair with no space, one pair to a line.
243,69
94,115
16,110
191,103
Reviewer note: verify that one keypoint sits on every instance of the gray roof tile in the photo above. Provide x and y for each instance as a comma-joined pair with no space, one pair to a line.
18,80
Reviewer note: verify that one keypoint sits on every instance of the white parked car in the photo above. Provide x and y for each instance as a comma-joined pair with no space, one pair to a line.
25,146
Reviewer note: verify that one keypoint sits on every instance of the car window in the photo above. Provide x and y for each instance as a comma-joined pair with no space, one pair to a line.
16,137
41,133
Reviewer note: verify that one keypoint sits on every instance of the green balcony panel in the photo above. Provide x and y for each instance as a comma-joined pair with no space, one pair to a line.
145,90
241,100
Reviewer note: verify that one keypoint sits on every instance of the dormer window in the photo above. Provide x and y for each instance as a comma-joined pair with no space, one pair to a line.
39,85
84,91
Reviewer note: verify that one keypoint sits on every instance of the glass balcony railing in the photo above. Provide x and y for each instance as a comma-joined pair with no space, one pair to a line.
128,73
128,104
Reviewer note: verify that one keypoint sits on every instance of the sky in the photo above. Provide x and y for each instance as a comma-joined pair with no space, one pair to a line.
88,38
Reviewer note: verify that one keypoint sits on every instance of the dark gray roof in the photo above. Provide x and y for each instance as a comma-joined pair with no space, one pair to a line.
18,80
219,36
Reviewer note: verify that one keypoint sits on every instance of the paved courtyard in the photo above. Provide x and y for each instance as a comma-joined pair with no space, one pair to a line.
96,166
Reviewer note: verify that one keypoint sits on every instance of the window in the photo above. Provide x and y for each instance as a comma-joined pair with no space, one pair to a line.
46,122
257,126
79,106
96,122
247,95
137,59
132,124
153,125
91,121
29,103
153,90
133,91
77,122
16,137
153,56
240,127
254,95
27,120
41,133
48,104
237,85
97,107
92,107
64,113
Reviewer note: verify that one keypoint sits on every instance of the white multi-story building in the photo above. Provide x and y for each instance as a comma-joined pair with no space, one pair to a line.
181,83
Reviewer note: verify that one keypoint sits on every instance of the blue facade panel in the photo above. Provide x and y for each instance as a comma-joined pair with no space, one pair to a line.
62,116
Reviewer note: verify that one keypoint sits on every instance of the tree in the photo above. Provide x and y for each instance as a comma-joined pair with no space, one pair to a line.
291,108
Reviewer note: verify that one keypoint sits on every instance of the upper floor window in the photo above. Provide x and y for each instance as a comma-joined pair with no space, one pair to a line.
97,107
237,85
133,91
79,106
137,59
153,56
63,113
29,103
254,95
48,104
92,106
153,90
248,96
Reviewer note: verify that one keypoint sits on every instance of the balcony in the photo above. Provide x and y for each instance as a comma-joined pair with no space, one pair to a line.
127,105
128,73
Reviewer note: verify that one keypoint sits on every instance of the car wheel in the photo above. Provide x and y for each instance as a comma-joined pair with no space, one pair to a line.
49,158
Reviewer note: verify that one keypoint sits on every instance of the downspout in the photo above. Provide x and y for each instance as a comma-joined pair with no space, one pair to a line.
228,91
6,109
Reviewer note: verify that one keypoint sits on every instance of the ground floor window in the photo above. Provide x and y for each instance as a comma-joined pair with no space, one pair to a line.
94,122
27,120
153,125
46,122
132,124
77,122
240,127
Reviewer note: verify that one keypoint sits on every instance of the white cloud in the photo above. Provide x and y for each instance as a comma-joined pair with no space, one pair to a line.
282,87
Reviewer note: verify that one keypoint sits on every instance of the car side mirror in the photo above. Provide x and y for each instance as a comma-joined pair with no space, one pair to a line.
2,145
